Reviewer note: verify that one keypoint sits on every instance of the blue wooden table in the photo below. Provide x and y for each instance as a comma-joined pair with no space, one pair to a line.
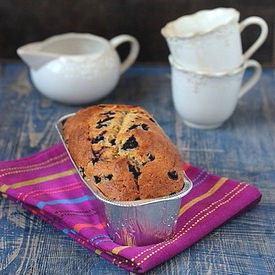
243,148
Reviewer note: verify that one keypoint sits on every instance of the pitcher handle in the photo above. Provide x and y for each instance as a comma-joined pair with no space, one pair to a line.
260,40
134,50
253,79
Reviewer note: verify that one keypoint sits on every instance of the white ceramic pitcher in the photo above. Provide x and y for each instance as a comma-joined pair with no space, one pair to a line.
76,68
210,40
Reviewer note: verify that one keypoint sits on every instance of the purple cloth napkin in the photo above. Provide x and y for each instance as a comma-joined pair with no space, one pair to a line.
47,185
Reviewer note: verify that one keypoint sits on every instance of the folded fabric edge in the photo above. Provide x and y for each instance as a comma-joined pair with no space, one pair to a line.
245,207
57,148
48,218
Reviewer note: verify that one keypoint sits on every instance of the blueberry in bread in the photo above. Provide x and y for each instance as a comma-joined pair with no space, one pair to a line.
123,152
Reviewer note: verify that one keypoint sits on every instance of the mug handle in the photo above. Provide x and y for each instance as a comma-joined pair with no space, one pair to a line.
134,50
253,79
260,40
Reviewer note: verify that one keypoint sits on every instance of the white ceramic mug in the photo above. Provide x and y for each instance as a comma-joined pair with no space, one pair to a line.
77,68
205,101
210,40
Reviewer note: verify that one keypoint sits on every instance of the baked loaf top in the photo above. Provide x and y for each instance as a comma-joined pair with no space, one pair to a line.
123,152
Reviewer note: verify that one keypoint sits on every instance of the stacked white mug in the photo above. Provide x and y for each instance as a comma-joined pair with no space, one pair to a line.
208,64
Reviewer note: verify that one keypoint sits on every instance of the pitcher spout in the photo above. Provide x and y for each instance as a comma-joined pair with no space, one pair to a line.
33,56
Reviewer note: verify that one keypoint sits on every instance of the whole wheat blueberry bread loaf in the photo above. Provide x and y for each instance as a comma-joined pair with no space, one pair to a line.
123,152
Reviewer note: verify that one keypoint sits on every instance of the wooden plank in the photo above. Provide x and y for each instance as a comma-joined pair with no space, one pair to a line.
243,148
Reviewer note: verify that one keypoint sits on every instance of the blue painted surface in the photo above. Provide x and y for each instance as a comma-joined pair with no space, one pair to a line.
243,148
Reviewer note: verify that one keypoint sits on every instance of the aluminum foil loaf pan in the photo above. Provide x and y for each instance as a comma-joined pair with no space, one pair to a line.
141,222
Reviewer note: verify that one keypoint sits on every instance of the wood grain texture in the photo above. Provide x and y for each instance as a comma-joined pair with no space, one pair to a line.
243,148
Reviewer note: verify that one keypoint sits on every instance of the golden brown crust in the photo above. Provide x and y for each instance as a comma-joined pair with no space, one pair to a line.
122,151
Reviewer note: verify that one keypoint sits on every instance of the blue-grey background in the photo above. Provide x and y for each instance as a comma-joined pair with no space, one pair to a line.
28,20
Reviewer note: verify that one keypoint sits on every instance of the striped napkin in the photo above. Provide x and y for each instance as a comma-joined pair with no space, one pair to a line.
47,185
